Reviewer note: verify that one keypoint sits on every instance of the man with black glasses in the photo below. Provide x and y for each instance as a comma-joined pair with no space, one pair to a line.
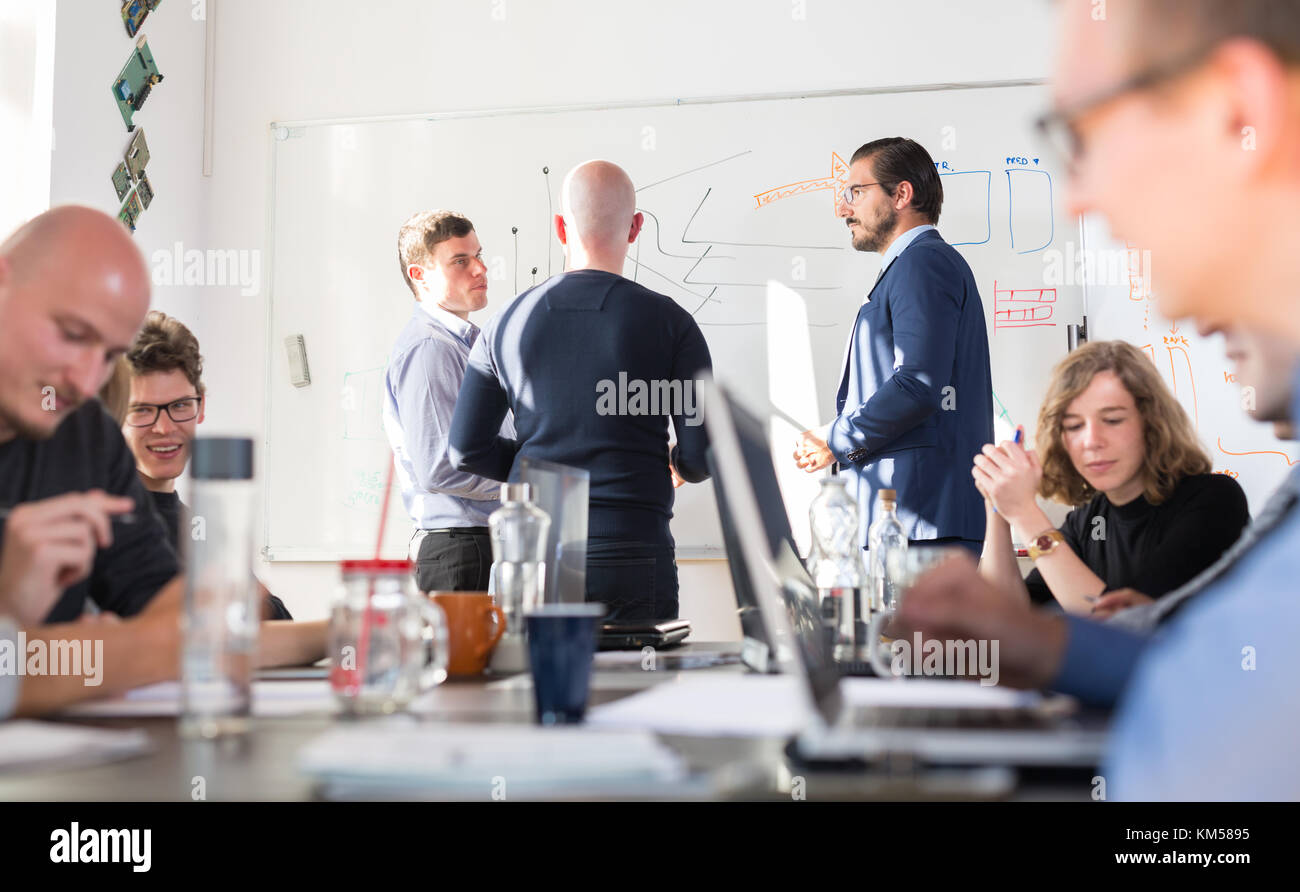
161,409
915,397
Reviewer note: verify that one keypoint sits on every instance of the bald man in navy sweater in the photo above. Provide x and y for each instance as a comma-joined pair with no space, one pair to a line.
593,365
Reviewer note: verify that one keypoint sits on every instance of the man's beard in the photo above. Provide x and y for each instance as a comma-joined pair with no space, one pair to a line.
874,235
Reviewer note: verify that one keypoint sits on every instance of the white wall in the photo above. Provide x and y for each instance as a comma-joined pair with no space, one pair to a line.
26,108
305,59
90,137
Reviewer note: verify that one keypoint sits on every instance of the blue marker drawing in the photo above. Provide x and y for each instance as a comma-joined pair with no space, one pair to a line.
1030,223
972,187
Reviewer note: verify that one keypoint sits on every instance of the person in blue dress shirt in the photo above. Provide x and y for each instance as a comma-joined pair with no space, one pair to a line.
442,264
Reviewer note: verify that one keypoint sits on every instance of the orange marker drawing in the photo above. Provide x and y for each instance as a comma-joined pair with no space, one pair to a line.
837,182
1288,458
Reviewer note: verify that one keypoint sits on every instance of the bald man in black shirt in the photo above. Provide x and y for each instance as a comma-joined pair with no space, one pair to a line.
75,522
73,290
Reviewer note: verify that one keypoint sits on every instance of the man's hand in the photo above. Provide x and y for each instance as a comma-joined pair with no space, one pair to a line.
1112,603
50,545
953,602
677,479
811,452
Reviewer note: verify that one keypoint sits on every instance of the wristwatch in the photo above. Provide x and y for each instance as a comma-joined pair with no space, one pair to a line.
1045,543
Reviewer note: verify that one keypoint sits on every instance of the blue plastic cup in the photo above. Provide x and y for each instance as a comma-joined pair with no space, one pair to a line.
561,641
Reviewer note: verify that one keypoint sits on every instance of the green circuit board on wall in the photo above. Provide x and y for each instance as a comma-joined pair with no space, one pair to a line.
134,12
121,180
131,211
144,190
137,154
136,81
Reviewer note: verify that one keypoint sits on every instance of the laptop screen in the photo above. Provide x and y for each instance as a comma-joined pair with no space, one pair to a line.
776,525
747,482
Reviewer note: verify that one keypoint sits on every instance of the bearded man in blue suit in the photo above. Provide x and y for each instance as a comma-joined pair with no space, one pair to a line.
915,401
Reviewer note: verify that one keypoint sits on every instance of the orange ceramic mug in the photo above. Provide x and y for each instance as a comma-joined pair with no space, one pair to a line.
474,625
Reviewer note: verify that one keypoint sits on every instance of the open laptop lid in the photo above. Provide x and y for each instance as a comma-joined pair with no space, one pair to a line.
780,539
753,505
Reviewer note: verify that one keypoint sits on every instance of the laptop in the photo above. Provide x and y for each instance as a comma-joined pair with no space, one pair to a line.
755,650
842,728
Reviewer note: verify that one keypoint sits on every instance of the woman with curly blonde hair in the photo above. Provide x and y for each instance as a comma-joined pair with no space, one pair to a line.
1115,443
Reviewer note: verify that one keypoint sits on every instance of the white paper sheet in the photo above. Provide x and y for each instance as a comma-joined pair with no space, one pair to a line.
715,705
270,699
28,745
480,759
933,692
773,705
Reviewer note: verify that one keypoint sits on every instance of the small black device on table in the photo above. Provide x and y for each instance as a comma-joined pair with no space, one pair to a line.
633,636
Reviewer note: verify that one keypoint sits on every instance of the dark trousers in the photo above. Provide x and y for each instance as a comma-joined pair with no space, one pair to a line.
636,581
454,561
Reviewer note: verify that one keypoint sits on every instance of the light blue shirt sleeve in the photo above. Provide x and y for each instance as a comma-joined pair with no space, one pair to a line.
1099,661
1213,712
9,681
426,382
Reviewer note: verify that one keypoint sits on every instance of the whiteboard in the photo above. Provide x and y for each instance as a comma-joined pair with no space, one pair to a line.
738,197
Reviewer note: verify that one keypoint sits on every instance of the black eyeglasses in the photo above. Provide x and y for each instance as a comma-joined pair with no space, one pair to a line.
1058,129
146,414
850,195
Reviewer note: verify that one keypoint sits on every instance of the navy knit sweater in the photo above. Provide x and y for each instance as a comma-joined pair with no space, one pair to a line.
592,365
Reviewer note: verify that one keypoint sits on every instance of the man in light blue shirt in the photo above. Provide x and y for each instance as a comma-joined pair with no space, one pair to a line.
1212,708
442,264
1213,712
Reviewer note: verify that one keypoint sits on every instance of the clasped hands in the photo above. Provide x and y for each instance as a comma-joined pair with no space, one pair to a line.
1007,476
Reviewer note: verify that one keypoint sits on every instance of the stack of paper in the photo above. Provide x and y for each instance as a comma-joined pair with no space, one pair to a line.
271,698
777,705
487,761
29,745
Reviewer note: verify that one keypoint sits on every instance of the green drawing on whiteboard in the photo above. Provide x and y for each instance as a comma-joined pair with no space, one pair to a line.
1004,413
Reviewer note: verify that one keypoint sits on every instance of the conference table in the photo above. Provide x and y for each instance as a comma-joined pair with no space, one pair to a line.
264,765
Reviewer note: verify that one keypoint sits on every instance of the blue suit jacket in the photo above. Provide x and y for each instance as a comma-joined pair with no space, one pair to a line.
915,403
